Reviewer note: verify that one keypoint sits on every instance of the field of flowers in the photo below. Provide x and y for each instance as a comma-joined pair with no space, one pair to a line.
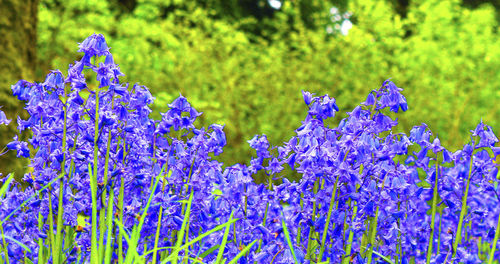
108,184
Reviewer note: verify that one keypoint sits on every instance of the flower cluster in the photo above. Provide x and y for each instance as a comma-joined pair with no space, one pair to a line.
365,191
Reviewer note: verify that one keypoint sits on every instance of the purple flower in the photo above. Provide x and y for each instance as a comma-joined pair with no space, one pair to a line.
20,146
22,90
3,118
307,97
95,45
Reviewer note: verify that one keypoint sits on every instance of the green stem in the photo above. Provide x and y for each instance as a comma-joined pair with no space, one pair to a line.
158,227
120,215
301,208
109,220
246,200
51,223
327,224
94,253
121,194
60,208
6,251
187,239
313,217
188,180
433,214
265,214
102,212
494,243
41,259
373,232
440,230
400,250
346,259
462,212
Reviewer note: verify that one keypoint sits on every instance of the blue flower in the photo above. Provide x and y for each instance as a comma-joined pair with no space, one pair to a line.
95,45
22,90
20,146
3,118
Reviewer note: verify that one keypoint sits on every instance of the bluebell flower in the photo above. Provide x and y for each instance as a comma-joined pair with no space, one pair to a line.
22,90
20,146
3,118
307,97
95,45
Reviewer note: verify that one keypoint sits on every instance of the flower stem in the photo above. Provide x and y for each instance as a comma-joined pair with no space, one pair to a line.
121,194
265,213
51,222
160,215
330,210
40,240
298,228
439,232
462,212
433,214
311,229
94,257
494,243
373,232
351,236
109,222
6,250
102,212
60,207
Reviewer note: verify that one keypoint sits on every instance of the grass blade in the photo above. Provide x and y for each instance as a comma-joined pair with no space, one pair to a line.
18,243
351,235
433,215
180,235
93,232
388,260
328,218
197,239
209,251
4,246
224,241
6,184
287,236
127,237
243,252
463,212
27,200
136,232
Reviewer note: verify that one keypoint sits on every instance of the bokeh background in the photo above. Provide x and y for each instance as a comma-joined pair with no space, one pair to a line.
244,62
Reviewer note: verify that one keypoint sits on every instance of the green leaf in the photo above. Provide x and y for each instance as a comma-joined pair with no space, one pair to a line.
424,184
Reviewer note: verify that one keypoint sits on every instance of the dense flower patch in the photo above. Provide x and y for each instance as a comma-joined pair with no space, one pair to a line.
98,162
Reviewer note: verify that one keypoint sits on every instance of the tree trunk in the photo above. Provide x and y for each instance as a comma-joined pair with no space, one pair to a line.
18,21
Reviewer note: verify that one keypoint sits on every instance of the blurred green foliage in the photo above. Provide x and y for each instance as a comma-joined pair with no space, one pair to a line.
246,68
